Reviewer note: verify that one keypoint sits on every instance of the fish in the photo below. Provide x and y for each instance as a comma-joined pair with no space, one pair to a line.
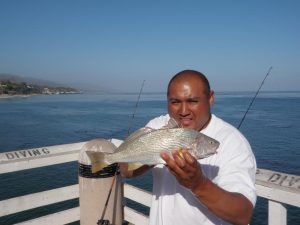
143,147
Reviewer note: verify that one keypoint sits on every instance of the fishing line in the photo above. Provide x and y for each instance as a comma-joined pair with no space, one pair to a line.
254,97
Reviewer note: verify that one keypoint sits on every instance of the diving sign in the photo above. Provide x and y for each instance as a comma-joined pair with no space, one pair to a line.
280,179
38,157
42,152
21,154
285,180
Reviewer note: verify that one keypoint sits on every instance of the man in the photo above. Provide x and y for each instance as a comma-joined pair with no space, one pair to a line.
215,190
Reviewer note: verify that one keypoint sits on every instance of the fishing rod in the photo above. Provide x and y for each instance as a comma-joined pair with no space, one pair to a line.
254,97
102,221
135,108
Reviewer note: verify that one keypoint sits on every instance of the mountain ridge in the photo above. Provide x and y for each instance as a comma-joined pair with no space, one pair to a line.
29,80
11,84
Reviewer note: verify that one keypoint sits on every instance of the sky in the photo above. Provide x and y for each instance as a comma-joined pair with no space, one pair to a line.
115,45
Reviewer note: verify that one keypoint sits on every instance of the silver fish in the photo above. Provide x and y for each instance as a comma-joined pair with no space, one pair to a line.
144,147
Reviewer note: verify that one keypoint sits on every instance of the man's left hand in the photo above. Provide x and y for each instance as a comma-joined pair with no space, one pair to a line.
185,168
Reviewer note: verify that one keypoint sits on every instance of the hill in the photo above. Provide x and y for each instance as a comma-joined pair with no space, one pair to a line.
16,85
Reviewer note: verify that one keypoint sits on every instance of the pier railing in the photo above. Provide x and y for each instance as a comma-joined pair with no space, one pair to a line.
278,188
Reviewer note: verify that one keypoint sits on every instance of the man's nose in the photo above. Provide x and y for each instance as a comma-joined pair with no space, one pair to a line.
184,109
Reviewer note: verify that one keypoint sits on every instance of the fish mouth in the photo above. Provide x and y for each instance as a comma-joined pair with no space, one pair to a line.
217,146
211,153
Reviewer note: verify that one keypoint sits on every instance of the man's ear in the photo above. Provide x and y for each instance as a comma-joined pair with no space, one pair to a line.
211,98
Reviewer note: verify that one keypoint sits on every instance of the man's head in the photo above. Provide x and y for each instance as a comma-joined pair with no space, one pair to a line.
190,99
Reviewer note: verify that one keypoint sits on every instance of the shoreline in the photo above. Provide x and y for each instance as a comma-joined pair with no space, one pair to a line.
3,96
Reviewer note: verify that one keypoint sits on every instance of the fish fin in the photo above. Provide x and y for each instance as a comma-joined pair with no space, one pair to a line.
172,123
138,133
134,166
180,152
97,160
100,145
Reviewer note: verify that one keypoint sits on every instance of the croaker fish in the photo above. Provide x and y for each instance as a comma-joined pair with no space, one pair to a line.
144,147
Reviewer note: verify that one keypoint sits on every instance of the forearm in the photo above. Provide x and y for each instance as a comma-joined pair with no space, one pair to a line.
231,207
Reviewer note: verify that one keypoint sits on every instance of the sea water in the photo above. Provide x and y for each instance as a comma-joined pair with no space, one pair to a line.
272,127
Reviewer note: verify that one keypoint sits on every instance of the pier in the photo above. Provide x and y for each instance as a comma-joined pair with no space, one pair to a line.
278,188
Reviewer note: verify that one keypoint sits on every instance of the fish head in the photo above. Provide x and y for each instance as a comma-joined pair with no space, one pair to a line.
204,146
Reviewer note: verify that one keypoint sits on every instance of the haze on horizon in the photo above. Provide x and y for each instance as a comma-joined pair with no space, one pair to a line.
114,46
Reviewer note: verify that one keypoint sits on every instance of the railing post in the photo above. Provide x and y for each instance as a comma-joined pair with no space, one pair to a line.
277,214
100,194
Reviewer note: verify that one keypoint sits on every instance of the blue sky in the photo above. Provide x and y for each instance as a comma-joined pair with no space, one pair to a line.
115,45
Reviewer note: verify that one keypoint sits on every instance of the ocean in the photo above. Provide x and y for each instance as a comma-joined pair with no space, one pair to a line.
272,127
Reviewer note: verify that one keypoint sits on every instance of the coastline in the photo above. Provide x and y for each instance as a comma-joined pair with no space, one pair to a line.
2,96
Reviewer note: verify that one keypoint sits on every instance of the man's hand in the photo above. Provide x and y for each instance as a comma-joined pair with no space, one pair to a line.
185,168
188,172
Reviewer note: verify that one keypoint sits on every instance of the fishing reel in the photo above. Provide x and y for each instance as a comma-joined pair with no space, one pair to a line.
103,222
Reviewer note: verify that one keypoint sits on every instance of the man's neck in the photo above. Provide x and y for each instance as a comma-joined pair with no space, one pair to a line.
206,123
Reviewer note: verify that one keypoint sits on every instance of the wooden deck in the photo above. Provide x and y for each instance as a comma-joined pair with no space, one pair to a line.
278,188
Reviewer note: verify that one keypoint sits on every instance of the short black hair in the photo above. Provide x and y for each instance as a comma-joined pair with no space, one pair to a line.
194,72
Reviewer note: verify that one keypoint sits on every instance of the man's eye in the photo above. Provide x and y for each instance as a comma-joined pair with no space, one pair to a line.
173,101
193,101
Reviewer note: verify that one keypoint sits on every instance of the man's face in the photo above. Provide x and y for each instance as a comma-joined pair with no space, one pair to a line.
188,104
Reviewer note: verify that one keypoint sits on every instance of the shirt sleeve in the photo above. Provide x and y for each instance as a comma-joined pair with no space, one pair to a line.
238,168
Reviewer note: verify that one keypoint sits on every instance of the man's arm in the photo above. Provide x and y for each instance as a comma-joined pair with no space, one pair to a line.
229,206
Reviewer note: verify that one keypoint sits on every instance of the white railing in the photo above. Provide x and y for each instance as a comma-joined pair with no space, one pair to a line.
278,188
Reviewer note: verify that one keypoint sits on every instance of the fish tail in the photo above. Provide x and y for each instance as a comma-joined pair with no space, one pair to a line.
97,160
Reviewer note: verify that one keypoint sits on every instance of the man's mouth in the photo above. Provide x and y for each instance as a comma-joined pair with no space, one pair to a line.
185,122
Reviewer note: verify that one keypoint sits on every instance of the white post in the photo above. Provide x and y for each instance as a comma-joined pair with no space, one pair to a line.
277,214
94,188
